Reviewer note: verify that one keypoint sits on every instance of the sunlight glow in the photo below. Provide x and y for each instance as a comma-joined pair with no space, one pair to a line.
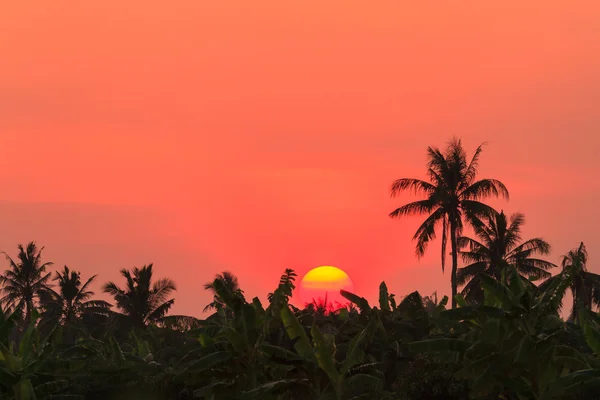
324,283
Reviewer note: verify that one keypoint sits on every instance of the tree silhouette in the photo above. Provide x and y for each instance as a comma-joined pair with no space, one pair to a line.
226,292
584,285
24,280
452,195
72,300
142,301
498,246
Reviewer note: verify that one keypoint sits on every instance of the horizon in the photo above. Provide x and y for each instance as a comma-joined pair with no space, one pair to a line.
207,137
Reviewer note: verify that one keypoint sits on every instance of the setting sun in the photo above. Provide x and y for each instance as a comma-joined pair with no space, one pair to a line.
323,284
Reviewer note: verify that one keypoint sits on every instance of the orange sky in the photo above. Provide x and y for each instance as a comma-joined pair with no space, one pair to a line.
258,135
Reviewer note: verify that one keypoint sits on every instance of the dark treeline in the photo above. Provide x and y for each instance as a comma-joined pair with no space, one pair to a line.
501,337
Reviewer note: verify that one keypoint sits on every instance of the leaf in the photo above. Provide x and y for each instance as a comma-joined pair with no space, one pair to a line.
205,340
460,300
472,312
207,362
384,301
439,345
10,360
441,307
358,344
207,392
360,302
591,333
477,368
491,331
277,387
116,352
297,334
343,314
411,309
235,339
325,355
249,319
258,306
280,354
573,384
365,383
26,345
495,292
24,390
525,350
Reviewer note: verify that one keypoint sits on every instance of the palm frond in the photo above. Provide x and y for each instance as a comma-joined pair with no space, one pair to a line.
485,188
531,271
416,186
160,311
465,273
532,246
471,171
426,231
112,289
537,263
415,208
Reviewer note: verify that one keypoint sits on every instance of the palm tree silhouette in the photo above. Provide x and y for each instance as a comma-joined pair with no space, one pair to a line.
24,280
226,292
584,285
142,301
499,245
72,300
452,195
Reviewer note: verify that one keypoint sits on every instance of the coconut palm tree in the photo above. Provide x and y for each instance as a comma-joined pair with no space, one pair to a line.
498,246
72,300
584,285
142,301
453,195
25,278
226,291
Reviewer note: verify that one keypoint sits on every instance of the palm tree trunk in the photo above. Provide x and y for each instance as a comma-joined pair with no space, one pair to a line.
28,310
454,244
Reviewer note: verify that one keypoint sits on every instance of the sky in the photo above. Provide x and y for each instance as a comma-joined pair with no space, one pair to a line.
254,136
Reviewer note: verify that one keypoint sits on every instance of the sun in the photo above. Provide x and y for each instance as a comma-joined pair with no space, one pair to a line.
323,284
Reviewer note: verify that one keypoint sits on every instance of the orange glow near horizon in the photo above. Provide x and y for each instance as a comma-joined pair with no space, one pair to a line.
323,284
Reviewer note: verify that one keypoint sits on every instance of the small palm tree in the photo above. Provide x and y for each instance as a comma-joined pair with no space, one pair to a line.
584,285
498,246
72,300
142,301
452,195
24,280
226,292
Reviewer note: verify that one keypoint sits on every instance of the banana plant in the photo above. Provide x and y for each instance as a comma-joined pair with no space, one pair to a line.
21,364
583,383
508,345
322,351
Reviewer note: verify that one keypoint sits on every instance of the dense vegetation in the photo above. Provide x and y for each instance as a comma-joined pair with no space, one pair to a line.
503,338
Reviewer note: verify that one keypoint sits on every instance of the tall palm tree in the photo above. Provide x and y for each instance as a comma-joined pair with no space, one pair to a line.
226,291
142,301
24,279
452,196
72,300
498,246
584,285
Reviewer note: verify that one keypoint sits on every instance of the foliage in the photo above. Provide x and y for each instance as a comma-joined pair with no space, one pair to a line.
512,346
142,301
584,285
23,281
71,302
498,246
